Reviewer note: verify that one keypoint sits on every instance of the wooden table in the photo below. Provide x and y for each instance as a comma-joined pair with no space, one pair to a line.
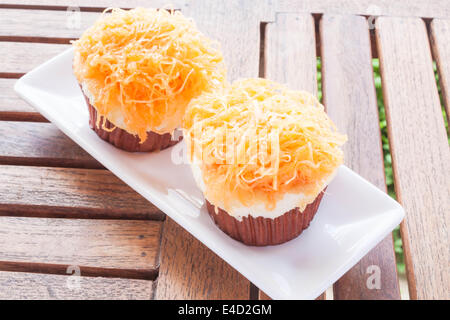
55,220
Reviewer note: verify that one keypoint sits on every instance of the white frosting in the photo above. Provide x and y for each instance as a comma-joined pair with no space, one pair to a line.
115,116
238,210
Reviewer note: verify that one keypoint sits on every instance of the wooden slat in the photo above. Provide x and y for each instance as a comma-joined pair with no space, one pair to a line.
290,57
89,5
14,108
418,8
20,57
34,286
420,152
351,102
40,144
236,25
43,25
440,31
406,8
117,248
189,270
61,192
290,51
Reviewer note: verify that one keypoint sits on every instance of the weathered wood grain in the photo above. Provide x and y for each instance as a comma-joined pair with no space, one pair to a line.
417,8
189,270
405,8
35,286
290,51
236,25
62,192
420,152
42,144
115,248
440,35
87,5
20,57
351,102
44,25
12,107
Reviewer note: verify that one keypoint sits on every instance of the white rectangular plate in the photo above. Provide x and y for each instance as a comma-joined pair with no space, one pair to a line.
353,216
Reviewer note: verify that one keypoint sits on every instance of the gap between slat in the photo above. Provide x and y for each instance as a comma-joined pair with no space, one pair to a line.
440,51
108,248
62,269
74,193
35,286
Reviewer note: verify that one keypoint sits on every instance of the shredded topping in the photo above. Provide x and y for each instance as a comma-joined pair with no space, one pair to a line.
146,65
256,140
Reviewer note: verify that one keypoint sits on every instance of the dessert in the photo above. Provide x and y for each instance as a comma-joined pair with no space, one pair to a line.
138,69
263,156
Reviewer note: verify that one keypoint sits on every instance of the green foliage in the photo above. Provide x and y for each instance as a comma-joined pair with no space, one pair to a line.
383,129
398,248
319,79
441,97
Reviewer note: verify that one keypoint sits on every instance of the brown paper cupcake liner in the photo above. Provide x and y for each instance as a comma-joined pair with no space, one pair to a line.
265,231
125,140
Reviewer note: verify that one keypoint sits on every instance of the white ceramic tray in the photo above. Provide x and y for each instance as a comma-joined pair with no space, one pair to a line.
353,216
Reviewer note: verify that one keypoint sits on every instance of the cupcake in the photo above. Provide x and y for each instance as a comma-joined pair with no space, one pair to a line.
138,69
263,156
